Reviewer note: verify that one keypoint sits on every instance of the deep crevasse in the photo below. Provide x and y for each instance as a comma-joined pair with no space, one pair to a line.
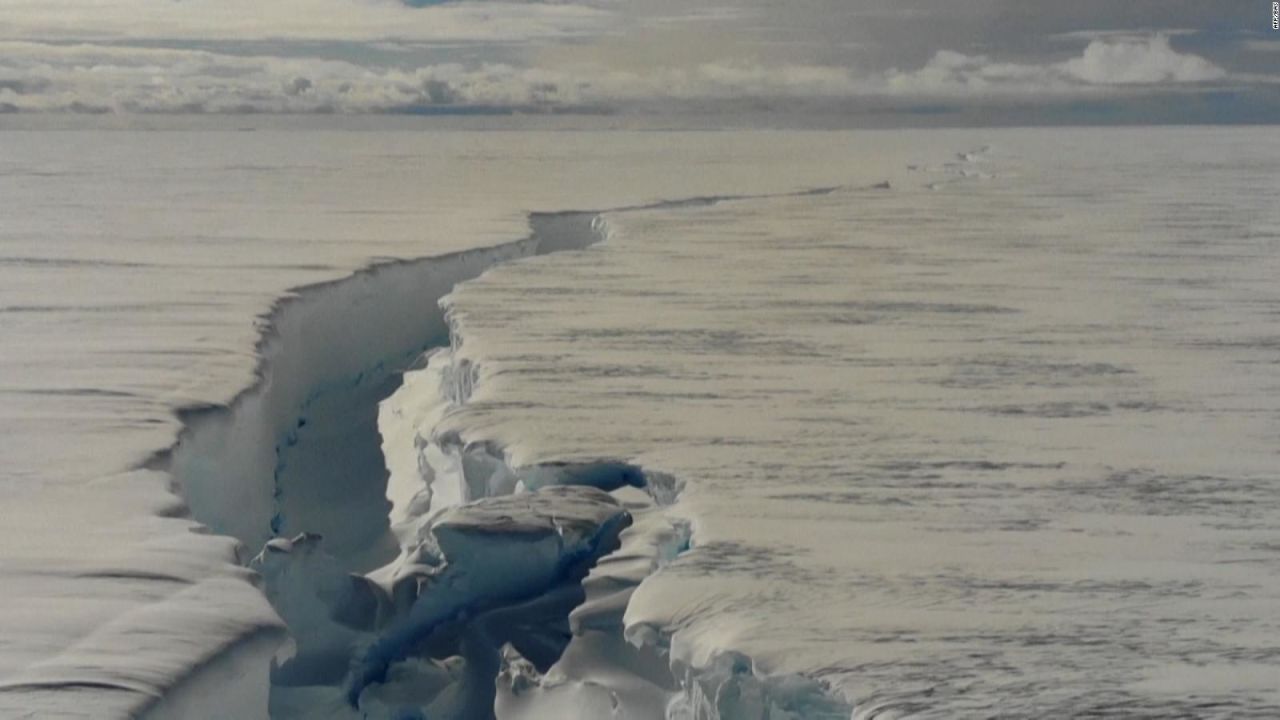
358,646
401,588
265,464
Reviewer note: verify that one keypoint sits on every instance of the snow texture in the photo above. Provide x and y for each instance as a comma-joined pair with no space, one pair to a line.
997,440
947,441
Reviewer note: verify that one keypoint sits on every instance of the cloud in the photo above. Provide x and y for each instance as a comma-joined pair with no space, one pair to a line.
1127,61
951,73
836,56
1108,62
89,77
84,77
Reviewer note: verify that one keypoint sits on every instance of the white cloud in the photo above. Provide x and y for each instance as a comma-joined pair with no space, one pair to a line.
45,77
1107,62
1126,61
953,73
40,77
116,78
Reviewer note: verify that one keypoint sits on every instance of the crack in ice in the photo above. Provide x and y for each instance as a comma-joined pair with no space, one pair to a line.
431,625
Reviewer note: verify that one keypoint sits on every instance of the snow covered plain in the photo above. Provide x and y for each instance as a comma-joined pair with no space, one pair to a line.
996,439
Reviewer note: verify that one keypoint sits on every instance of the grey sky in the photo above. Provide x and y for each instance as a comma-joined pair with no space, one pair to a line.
969,60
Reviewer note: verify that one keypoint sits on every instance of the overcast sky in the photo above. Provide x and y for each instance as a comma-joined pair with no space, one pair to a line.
1042,60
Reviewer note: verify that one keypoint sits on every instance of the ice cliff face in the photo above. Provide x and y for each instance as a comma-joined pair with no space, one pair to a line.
600,666
295,466
564,649
501,573
329,353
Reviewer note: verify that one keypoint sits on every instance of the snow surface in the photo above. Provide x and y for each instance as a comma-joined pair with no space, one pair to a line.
988,430
998,440
132,268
